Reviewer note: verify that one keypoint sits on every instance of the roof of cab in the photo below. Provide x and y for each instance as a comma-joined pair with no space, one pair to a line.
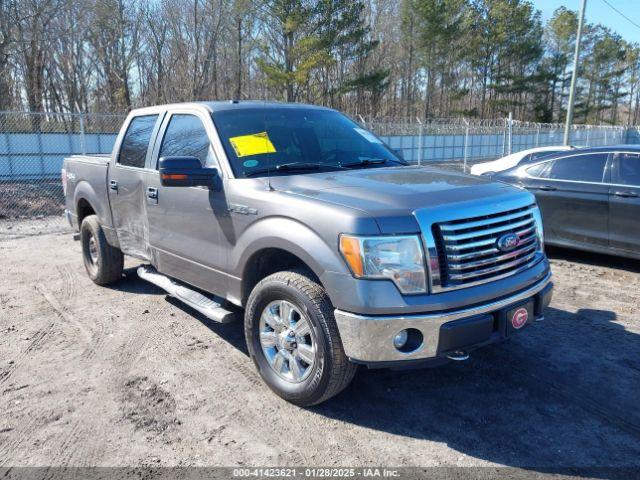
608,148
582,150
245,104
216,106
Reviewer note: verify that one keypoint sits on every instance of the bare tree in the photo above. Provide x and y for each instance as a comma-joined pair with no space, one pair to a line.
5,44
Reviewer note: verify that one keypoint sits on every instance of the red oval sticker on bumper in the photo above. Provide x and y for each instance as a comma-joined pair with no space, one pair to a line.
519,318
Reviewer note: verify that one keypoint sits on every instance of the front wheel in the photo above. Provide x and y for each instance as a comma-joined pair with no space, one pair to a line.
293,339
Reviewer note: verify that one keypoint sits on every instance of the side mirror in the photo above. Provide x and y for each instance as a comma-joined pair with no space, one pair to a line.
186,172
398,152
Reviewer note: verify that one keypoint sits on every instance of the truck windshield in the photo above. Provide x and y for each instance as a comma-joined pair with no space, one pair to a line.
285,141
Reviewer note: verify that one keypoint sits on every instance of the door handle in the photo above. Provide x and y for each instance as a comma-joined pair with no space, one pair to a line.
625,194
152,192
113,185
547,188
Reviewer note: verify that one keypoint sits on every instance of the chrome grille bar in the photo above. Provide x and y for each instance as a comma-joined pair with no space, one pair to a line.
447,227
489,241
457,257
468,248
492,260
491,231
488,271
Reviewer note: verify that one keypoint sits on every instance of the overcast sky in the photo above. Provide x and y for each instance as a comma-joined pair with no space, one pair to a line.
599,12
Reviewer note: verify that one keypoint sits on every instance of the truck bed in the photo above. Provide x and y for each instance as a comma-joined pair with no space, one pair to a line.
97,158
87,178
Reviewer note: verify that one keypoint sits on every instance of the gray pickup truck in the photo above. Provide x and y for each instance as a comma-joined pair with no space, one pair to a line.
336,250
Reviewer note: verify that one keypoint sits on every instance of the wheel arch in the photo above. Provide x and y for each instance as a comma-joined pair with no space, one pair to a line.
267,261
278,244
86,197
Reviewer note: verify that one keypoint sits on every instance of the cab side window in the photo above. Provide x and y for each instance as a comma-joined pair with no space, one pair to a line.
186,137
580,168
628,169
133,151
577,168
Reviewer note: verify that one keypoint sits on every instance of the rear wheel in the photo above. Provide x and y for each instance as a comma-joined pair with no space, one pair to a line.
293,339
103,262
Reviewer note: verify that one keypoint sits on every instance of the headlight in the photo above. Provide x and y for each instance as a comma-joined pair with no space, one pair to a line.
539,228
399,258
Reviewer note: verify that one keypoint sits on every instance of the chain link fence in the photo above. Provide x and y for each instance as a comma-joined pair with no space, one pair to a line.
459,143
33,146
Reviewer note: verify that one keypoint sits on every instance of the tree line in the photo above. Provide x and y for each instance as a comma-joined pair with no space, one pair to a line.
375,58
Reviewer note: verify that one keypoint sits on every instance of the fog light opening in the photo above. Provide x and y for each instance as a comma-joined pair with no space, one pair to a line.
408,340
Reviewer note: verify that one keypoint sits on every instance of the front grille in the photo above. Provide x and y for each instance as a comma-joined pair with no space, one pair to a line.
468,252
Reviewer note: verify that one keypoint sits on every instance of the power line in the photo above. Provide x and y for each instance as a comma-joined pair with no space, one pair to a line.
621,14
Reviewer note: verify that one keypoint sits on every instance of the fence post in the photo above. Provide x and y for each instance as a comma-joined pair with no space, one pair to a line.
83,144
420,140
466,144
510,133
41,160
8,140
538,136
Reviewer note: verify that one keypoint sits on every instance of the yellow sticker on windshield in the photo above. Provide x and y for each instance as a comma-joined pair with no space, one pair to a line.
254,144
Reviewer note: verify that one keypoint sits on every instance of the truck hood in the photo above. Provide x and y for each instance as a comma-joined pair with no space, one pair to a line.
391,195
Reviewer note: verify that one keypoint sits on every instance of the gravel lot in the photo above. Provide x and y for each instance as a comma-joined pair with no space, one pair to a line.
126,376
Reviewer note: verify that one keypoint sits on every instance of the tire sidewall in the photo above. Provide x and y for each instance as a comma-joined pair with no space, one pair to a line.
87,230
314,385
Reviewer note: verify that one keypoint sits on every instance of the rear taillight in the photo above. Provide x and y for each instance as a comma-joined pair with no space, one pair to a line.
63,176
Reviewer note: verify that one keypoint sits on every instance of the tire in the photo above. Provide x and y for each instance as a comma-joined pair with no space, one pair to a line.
330,372
104,263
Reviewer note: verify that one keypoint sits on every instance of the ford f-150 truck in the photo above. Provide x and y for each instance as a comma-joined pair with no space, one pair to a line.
337,252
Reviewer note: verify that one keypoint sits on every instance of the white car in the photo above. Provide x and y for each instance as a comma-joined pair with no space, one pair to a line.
514,159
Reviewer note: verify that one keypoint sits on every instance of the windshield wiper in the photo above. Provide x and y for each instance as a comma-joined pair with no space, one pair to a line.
290,166
367,161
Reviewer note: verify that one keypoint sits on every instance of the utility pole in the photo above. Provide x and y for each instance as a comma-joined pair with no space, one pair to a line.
574,75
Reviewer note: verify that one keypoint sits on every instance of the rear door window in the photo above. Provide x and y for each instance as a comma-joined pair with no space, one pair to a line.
628,171
577,168
186,137
135,144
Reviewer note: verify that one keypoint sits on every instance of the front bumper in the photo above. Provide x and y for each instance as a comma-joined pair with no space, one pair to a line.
369,339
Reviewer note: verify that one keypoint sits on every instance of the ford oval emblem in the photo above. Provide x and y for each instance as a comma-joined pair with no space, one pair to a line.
507,242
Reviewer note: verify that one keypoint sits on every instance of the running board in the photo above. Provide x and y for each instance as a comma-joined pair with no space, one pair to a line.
209,308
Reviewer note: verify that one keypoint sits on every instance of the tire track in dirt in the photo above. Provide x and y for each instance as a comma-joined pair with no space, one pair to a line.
31,422
36,340
581,399
69,282
172,338
64,314
577,397
21,431
72,451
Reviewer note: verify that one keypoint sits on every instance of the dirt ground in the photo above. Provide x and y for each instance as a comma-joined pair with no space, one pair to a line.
125,376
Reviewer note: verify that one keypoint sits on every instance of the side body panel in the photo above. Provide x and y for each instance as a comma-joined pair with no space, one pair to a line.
624,221
87,180
573,211
185,223
261,218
